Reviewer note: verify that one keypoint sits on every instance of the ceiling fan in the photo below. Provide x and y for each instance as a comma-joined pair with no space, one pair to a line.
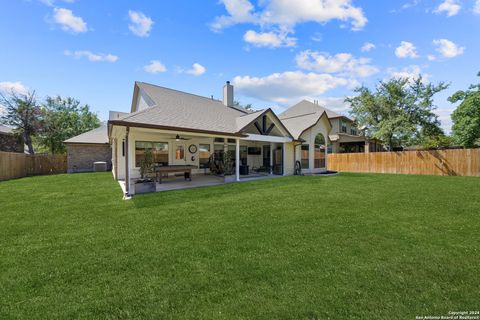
178,138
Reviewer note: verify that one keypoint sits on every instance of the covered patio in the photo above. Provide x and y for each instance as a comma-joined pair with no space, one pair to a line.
253,156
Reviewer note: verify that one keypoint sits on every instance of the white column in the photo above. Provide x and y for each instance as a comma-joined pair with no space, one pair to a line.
237,159
284,152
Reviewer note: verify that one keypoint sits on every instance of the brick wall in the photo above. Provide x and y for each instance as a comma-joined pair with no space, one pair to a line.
80,157
10,143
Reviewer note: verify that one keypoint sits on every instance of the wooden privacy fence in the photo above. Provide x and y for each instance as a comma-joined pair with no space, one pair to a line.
16,165
455,162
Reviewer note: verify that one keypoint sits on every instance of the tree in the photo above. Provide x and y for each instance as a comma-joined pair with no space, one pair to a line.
65,118
247,107
466,117
22,113
400,111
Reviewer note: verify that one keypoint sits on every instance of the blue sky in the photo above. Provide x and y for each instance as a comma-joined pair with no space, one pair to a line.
275,52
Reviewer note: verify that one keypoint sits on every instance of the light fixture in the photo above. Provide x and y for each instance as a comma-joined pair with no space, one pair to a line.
177,138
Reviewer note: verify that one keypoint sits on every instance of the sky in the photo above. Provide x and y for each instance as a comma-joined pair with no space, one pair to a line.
275,52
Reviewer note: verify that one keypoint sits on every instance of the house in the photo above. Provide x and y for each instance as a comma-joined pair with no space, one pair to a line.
191,133
344,136
89,147
183,129
9,142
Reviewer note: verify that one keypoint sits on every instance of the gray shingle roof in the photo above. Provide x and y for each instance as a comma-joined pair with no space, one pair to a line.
306,107
297,124
184,110
246,119
95,136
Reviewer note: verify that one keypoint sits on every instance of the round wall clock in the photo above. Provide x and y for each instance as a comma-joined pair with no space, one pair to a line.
192,148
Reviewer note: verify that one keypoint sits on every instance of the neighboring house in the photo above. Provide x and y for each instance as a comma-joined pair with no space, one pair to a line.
344,136
87,148
10,142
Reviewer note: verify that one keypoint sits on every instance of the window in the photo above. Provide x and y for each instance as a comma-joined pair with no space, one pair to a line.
179,152
305,155
203,155
353,131
218,140
344,127
123,148
243,155
218,151
231,141
159,152
319,159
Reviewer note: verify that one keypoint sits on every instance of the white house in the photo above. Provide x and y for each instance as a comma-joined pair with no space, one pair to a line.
184,129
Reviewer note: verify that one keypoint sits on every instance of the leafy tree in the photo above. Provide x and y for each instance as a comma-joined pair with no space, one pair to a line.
22,113
466,118
247,107
65,118
399,112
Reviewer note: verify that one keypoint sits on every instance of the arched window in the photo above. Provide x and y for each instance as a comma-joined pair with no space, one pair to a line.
320,147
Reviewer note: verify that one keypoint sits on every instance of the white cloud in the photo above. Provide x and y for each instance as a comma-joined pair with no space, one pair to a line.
91,56
343,63
447,48
409,5
68,21
50,3
7,87
412,72
284,15
155,66
269,39
451,7
431,57
287,14
367,46
196,70
406,50
239,11
140,25
476,9
288,86
317,36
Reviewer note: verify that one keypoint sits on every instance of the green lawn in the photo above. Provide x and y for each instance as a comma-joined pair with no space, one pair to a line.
347,247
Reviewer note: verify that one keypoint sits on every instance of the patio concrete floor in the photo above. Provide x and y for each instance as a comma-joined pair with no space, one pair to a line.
199,180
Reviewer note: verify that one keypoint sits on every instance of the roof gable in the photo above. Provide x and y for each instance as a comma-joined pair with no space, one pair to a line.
255,120
300,123
307,107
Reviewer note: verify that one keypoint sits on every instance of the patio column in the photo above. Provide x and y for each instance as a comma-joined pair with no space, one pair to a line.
237,159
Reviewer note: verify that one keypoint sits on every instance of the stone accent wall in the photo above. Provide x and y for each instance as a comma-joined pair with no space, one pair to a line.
10,143
80,157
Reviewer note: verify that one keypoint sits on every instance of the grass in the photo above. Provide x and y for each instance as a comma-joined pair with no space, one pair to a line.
347,247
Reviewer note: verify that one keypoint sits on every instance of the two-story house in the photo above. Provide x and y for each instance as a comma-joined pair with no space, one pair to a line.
344,137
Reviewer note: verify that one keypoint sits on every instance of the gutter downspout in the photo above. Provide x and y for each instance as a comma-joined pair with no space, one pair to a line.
127,170
299,143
